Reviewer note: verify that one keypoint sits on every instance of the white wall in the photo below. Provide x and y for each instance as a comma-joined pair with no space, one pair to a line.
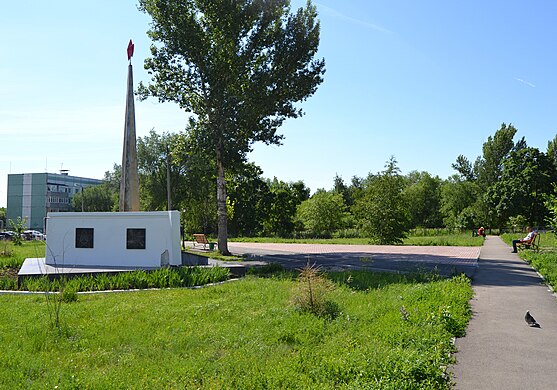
162,234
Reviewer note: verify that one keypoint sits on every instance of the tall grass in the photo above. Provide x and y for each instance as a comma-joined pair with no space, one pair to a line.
242,335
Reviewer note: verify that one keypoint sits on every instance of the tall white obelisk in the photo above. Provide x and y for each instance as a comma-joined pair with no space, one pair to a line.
129,185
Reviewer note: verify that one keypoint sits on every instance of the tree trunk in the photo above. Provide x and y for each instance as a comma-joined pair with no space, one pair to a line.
221,207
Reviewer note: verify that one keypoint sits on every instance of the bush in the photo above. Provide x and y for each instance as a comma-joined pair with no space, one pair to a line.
311,291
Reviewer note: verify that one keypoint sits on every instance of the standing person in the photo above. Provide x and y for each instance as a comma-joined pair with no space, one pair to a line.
528,238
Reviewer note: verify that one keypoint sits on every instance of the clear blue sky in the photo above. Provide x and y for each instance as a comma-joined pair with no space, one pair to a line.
424,81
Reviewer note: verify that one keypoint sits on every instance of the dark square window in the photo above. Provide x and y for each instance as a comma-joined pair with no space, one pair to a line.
84,237
135,239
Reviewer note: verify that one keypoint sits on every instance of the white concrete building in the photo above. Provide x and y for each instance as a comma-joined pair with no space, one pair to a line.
125,239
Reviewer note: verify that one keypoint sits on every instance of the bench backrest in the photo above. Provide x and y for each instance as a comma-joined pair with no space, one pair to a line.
536,239
200,238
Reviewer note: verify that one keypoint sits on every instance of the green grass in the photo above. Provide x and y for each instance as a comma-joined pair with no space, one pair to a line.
544,261
393,332
12,256
461,239
447,239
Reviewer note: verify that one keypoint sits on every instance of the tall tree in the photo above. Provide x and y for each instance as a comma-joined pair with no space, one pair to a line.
239,66
523,188
382,211
490,167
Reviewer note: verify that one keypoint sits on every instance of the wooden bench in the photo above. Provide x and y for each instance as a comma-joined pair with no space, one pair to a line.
201,239
533,244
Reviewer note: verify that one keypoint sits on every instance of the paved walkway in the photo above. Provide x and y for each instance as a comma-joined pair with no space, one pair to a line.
445,259
499,350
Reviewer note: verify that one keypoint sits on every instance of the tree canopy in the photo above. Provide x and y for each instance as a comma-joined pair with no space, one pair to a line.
238,66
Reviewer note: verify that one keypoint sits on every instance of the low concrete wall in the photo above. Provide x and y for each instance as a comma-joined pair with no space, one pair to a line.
193,259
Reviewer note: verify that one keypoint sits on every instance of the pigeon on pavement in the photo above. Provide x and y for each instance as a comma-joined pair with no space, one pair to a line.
530,320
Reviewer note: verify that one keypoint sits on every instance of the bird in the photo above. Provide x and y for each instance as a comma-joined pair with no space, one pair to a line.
530,320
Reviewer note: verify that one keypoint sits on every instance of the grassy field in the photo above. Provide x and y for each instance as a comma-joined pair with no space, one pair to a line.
544,261
392,332
462,239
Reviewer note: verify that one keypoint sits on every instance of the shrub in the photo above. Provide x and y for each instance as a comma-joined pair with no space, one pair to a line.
311,292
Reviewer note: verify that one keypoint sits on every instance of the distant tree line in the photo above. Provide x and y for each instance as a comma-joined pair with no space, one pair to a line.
510,183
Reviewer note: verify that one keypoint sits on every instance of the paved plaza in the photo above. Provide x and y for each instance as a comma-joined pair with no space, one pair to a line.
444,259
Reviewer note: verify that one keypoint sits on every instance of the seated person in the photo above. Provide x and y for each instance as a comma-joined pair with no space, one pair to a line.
481,232
528,239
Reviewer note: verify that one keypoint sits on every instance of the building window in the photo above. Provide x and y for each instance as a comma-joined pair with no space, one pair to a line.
135,239
84,237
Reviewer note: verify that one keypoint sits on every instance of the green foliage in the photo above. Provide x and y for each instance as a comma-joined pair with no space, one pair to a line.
18,227
489,167
2,217
551,205
323,213
96,198
347,192
284,201
382,212
134,340
552,151
250,197
423,194
240,67
523,186
460,204
161,158
465,168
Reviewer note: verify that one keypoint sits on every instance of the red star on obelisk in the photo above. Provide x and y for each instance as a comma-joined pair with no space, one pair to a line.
130,50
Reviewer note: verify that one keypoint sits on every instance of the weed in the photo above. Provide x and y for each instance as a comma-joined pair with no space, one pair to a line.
311,291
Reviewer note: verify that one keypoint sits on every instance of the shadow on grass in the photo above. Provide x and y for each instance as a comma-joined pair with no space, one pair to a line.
358,280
